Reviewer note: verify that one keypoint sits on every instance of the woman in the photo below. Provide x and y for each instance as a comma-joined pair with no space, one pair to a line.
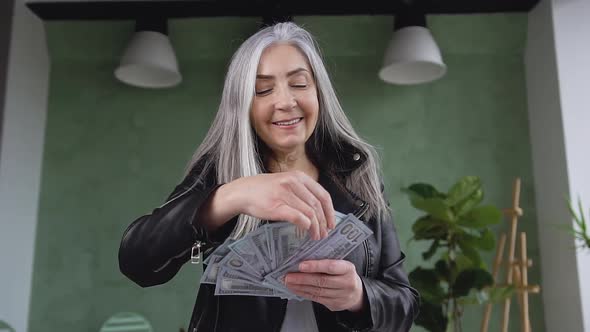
280,148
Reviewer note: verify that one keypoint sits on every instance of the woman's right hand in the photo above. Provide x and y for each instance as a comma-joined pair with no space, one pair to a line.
286,196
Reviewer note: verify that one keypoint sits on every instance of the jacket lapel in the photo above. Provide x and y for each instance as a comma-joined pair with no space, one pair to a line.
342,199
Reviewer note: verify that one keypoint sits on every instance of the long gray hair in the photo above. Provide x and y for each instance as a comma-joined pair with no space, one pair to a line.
230,145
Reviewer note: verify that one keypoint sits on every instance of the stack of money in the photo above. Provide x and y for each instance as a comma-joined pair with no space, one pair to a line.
256,264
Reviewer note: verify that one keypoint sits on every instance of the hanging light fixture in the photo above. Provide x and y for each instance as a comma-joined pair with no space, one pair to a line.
149,60
412,56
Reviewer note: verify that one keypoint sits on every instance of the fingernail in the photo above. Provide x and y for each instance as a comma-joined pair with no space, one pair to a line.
303,266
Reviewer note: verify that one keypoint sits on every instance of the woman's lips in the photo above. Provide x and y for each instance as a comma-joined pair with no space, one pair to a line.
288,123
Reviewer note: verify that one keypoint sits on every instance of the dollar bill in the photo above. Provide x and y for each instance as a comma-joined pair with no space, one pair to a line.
247,251
344,238
271,247
210,274
221,250
260,241
230,283
233,269
236,264
305,243
339,217
212,261
285,241
256,264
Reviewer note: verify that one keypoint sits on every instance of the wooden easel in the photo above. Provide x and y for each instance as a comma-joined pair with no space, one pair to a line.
516,270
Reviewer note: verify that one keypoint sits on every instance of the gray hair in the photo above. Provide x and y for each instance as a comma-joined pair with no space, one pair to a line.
230,145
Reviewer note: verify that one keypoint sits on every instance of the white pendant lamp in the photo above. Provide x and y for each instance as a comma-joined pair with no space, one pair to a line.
412,56
149,60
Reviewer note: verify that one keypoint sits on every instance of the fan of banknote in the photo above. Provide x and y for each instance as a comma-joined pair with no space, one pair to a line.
256,264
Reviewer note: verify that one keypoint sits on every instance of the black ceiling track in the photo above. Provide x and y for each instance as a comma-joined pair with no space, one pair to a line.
126,10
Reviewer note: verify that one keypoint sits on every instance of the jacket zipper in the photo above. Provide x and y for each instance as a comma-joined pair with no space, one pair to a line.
359,214
366,247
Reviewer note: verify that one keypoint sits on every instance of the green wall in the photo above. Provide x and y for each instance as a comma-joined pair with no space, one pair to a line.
114,152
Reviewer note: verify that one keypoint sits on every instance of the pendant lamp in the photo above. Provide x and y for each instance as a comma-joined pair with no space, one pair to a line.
412,55
149,60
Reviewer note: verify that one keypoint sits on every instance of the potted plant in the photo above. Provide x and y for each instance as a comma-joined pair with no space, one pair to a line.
457,229
4,327
580,230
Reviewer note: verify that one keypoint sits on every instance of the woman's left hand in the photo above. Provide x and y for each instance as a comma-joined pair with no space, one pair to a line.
333,283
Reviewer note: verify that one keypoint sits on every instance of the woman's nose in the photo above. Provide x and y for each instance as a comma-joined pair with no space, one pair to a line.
285,99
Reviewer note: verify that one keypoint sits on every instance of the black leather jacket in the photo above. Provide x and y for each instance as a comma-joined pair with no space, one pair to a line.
156,245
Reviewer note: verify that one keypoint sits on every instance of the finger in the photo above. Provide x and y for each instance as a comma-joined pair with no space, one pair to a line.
324,197
329,266
317,279
298,204
312,201
306,209
317,294
286,212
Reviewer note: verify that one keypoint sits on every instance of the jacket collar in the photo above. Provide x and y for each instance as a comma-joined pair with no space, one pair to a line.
336,161
340,158
343,200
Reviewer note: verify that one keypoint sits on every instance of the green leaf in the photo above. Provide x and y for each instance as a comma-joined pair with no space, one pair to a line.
580,231
426,198
442,270
431,251
481,216
423,190
474,297
470,253
435,207
487,295
463,190
427,283
5,327
484,241
460,264
429,228
499,294
471,278
432,317
582,218
579,219
487,240
465,206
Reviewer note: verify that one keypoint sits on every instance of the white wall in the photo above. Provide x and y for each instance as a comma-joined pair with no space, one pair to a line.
572,41
20,163
558,49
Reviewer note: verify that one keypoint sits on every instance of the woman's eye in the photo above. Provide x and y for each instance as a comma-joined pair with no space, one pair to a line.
299,85
263,92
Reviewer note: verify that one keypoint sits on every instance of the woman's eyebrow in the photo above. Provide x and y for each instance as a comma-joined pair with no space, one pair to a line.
290,73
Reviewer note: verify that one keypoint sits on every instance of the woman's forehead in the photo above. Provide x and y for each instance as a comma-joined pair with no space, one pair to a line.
281,59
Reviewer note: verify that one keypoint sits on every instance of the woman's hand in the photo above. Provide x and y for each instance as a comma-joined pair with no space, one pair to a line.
333,283
289,196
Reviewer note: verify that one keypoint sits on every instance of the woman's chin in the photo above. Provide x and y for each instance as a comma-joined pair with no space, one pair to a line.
289,145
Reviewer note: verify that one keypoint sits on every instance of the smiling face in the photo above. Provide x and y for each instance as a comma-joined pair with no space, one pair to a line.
285,108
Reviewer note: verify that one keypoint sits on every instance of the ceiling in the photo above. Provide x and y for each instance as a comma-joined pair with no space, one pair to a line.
121,10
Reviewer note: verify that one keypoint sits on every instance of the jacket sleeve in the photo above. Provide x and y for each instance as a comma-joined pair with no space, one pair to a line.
155,246
391,303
